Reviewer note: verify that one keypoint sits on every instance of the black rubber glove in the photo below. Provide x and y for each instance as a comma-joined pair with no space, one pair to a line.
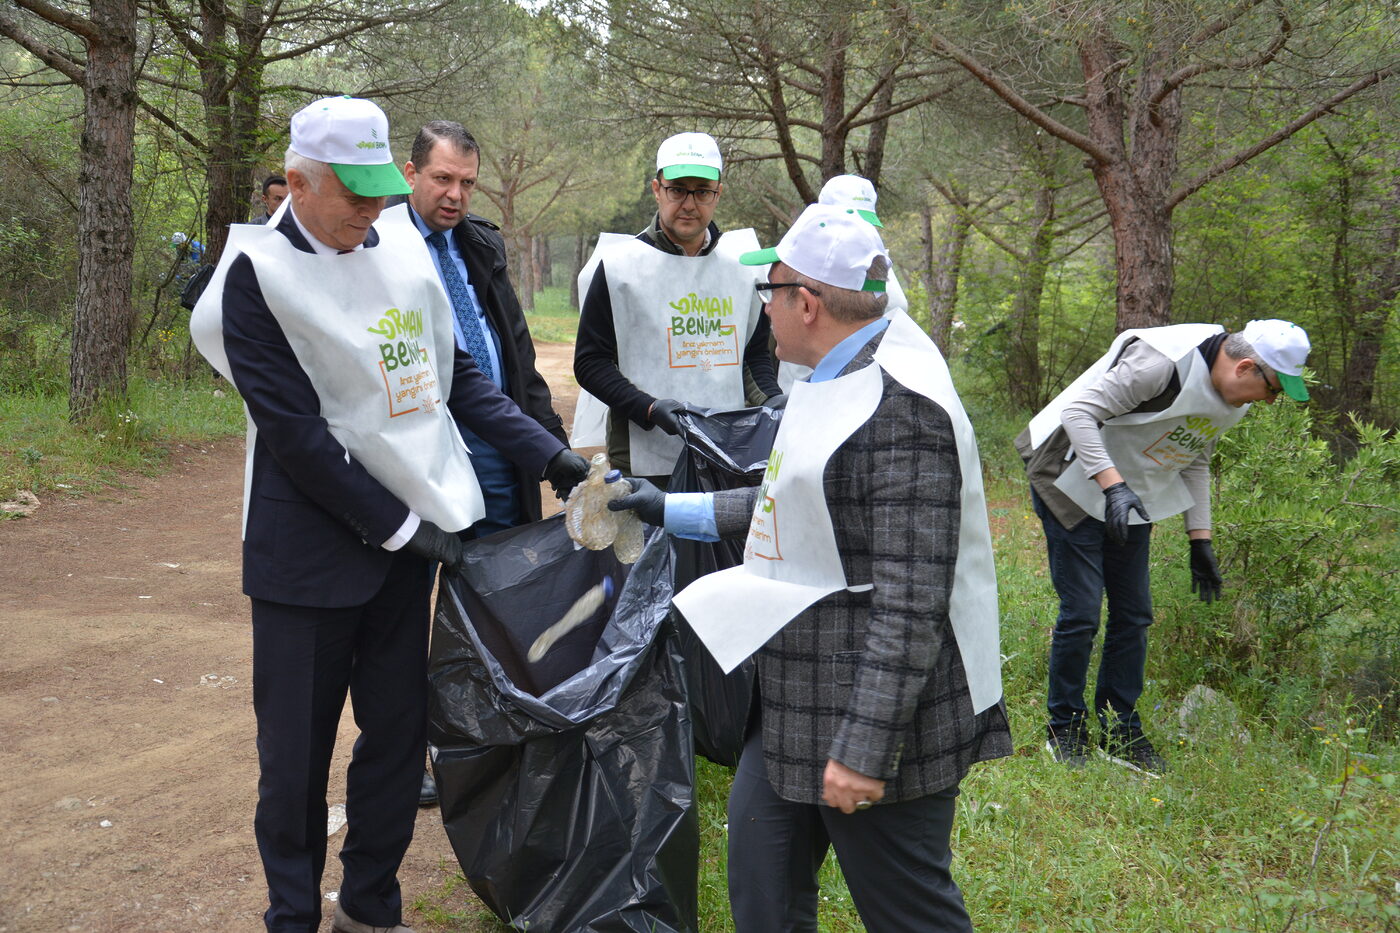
778,401
432,542
1120,501
1205,572
645,499
565,471
663,415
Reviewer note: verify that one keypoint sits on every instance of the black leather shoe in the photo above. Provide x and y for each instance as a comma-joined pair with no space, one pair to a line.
427,794
344,923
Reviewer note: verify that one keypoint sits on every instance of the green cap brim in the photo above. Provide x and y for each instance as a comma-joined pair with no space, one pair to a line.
1293,386
760,257
672,172
372,181
870,217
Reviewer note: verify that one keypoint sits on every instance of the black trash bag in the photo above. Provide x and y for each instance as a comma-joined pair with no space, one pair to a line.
723,450
566,787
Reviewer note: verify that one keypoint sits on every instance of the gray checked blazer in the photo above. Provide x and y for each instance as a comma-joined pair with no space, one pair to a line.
874,679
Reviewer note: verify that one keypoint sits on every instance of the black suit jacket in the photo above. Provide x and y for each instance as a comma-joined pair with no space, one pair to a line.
316,517
483,249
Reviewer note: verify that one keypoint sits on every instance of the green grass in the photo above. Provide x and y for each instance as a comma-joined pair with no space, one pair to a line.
553,320
43,452
1296,830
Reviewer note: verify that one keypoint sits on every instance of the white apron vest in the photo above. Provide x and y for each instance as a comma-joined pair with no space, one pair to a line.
1150,449
788,373
790,557
372,330
590,428
682,323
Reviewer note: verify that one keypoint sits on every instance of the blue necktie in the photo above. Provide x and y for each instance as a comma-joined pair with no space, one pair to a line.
463,305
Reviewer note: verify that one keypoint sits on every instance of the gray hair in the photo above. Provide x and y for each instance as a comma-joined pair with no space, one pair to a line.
313,170
1237,348
848,305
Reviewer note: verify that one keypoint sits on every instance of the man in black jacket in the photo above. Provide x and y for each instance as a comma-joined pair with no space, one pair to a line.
442,172
669,317
470,256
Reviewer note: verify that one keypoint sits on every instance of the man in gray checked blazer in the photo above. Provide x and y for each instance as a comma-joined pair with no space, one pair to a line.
878,697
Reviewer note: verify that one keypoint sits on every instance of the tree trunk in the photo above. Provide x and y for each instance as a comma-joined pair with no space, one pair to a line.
1369,316
1135,183
102,319
580,257
941,267
524,270
879,133
231,116
833,98
1023,356
544,262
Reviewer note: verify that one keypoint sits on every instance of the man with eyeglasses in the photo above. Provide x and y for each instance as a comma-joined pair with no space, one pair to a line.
867,591
854,195
1126,444
669,317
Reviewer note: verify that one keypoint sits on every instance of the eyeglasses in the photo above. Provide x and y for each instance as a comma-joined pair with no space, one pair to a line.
765,289
1274,390
676,194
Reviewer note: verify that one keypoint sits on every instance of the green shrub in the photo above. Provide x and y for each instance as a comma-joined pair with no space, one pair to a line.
1308,548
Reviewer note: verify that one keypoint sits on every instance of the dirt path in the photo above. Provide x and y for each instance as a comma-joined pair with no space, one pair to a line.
128,773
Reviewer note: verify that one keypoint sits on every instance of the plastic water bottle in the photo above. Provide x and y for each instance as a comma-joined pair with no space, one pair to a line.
580,612
586,514
628,543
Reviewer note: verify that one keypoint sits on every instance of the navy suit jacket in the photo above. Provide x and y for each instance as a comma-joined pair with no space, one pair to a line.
316,517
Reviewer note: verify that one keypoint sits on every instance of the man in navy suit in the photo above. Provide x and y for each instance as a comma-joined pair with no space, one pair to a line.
338,339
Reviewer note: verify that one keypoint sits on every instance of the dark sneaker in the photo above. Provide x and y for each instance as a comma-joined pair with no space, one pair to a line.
1127,746
1068,745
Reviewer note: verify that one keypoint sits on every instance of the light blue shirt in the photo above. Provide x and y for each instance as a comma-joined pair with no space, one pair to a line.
492,347
692,514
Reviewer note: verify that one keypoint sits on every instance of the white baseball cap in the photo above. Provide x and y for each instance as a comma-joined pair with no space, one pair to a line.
352,134
852,193
1284,346
689,155
829,244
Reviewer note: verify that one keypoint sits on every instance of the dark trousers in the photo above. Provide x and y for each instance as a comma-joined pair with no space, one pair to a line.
895,858
305,660
1084,565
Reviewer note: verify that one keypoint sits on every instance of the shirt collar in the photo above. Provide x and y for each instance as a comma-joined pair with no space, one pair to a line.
840,356
418,221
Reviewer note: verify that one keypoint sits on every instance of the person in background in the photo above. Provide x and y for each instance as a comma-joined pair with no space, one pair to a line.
1127,444
488,323
669,317
854,195
274,192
